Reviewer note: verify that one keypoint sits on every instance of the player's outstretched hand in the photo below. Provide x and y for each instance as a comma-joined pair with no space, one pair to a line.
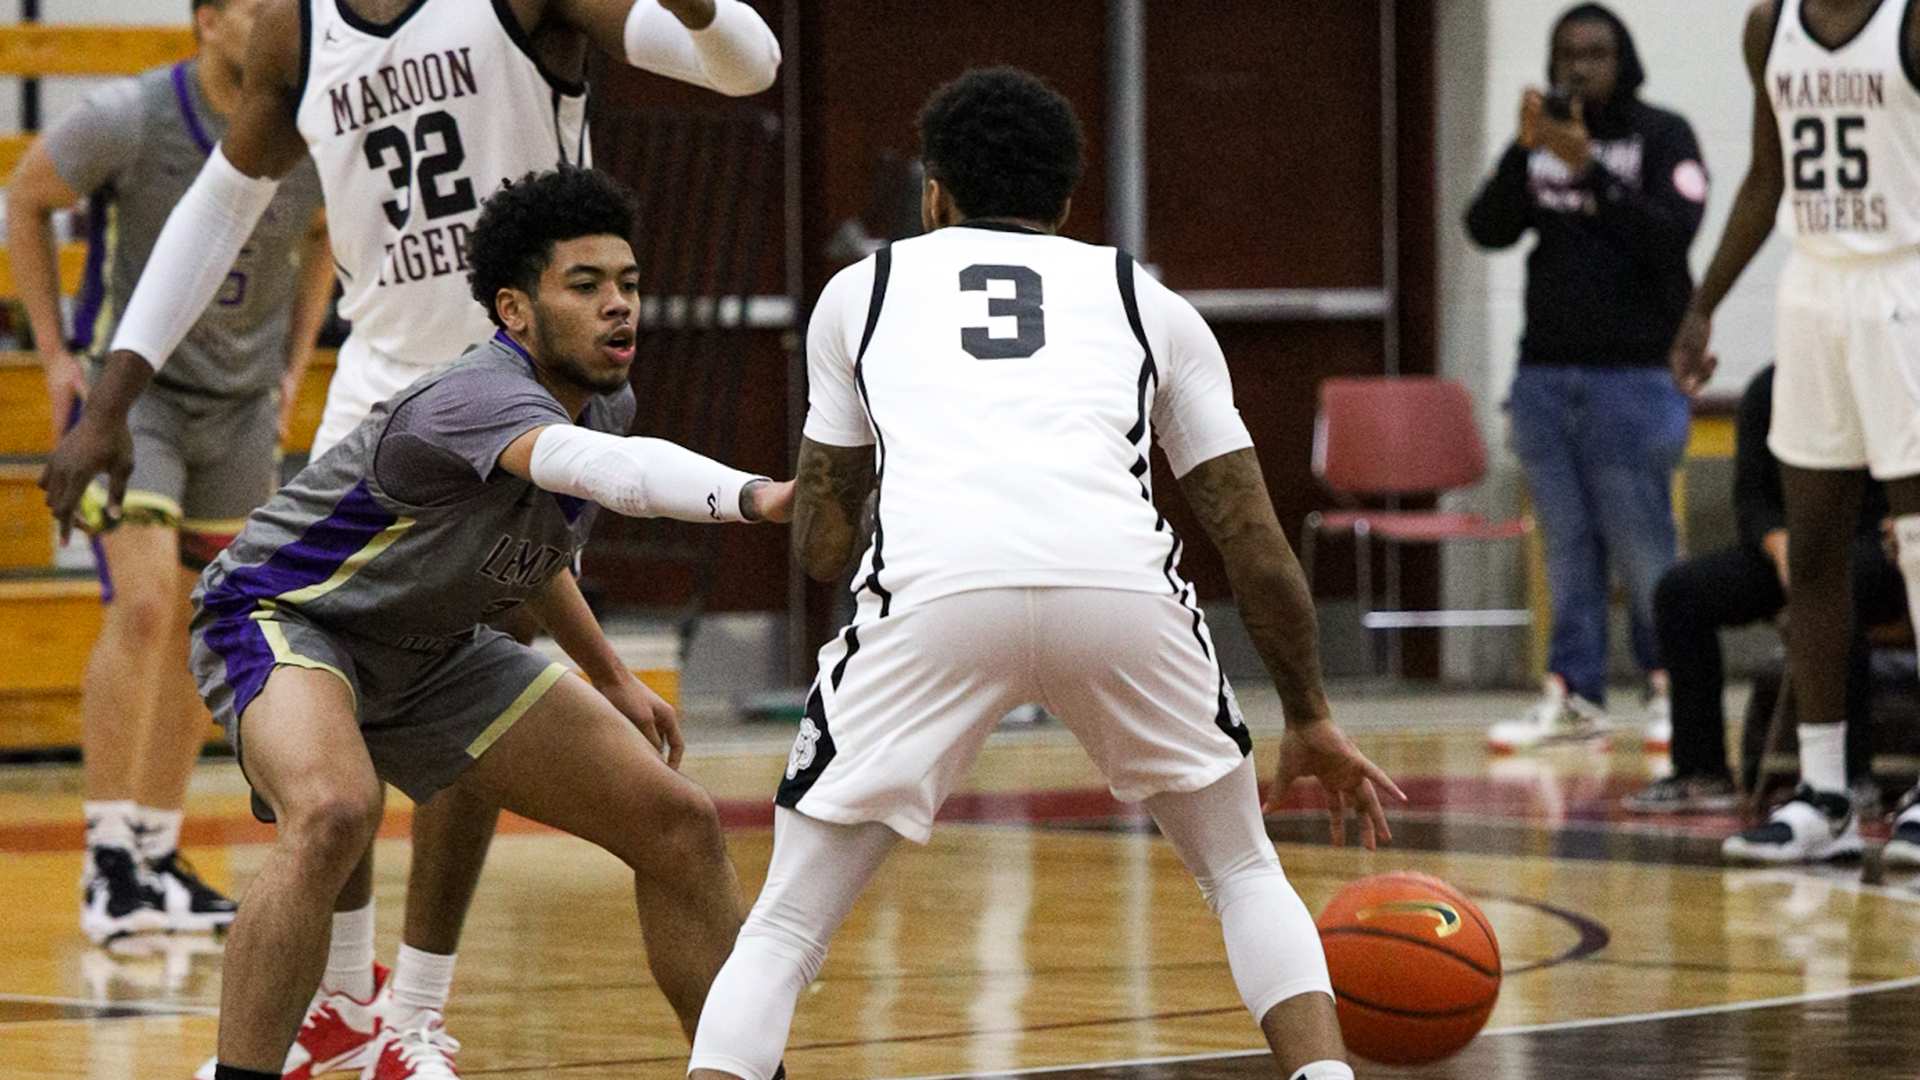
650,713
1692,364
772,501
91,447
1321,750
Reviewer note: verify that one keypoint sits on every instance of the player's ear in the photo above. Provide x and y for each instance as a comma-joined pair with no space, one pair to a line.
930,194
515,308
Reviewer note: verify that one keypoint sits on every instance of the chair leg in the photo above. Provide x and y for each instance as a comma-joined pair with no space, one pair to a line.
1776,734
1308,538
1363,587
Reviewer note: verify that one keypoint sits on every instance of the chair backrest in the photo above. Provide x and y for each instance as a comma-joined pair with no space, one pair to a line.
1396,435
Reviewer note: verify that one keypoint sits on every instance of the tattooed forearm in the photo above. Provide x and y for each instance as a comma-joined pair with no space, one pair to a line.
1229,496
831,487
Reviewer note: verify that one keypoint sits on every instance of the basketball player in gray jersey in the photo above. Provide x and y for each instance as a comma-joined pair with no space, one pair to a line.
340,639
204,438
412,111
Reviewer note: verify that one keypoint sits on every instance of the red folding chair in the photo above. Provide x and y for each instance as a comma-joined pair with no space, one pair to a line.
1386,439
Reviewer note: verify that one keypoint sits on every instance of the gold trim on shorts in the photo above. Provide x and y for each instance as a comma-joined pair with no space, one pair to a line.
534,692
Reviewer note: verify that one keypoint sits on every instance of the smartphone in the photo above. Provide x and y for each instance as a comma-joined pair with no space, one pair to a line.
1559,103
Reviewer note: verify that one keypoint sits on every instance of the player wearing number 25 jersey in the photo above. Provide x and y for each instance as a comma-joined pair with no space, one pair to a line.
1835,166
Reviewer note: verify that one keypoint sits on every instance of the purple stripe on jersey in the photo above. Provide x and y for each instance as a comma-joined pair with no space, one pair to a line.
326,544
185,98
93,279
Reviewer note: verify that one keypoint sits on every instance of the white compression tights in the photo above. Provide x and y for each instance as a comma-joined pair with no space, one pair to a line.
819,869
817,872
1273,947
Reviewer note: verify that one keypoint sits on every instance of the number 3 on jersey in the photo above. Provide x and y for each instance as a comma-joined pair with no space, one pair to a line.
1030,319
388,148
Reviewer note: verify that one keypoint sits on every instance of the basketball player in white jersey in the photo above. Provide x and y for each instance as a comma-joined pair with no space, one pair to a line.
1000,384
1836,161
413,112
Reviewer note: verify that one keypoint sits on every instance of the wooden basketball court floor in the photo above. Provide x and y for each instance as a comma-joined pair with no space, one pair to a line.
1047,931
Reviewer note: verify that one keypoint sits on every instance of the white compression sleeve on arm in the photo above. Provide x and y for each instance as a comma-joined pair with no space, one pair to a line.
735,54
191,257
635,476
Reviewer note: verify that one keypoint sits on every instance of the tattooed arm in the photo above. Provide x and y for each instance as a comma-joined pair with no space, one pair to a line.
831,486
1230,497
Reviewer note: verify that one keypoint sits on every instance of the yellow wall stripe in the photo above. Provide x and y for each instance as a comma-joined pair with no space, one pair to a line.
534,692
351,567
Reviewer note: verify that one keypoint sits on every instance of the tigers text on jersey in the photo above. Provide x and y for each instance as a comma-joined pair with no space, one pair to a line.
412,125
1849,122
1011,382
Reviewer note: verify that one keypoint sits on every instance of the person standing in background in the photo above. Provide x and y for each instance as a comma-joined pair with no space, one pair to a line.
1614,190
205,438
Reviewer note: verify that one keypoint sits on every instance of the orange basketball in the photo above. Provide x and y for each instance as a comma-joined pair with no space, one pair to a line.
1415,967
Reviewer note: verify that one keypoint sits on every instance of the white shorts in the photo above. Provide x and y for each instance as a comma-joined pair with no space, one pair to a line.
1846,383
902,703
362,378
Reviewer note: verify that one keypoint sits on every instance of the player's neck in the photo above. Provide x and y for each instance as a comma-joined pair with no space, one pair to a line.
219,84
572,397
1024,224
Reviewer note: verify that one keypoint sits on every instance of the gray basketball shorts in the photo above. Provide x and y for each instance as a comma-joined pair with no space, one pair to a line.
425,716
201,464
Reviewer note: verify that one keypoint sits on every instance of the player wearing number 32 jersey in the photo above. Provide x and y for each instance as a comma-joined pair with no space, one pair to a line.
1836,154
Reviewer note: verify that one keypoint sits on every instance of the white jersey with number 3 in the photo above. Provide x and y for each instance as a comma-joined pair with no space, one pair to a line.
1012,382
412,125
1849,134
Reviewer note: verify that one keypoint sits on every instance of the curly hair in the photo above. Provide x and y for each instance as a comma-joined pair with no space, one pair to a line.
512,243
1003,144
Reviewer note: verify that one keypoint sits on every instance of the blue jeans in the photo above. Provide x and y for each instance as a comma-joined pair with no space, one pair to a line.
1598,447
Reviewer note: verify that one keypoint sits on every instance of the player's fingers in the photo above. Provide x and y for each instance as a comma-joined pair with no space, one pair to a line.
675,741
1337,816
1374,814
1381,780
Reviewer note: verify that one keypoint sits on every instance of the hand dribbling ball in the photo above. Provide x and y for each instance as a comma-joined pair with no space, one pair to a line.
1415,967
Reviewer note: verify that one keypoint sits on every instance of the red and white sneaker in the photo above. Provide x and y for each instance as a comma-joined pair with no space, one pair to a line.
340,1032
414,1048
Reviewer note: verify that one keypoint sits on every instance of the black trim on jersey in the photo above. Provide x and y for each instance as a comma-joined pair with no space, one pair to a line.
306,51
996,225
882,269
376,29
1124,267
1907,59
524,41
1837,46
795,787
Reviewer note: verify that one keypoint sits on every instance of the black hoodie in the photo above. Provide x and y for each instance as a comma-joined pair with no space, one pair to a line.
1608,280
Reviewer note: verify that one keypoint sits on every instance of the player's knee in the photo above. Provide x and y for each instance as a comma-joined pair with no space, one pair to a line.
683,835
1252,876
333,825
144,614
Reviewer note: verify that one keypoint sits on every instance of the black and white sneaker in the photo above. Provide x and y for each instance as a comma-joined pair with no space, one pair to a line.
192,906
1903,849
1813,826
118,896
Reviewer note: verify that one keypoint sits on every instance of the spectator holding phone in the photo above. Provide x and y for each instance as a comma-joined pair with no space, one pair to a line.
1614,190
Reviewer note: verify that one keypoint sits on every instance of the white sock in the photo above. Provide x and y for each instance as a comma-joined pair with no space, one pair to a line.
109,823
156,831
1324,1069
350,954
1823,756
421,979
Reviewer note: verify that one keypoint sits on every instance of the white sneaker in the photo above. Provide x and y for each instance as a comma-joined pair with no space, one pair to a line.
1659,735
1557,717
1813,826
416,1048
1903,850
